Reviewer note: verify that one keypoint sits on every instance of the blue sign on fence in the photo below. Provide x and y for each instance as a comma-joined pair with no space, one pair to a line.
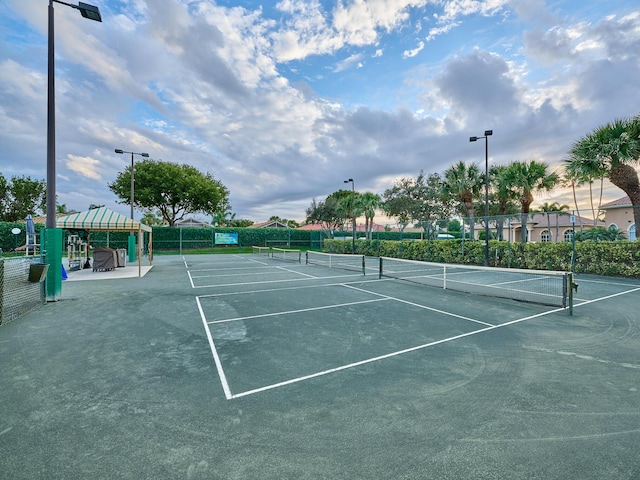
226,239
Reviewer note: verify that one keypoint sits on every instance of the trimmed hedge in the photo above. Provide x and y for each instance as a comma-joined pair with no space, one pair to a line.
604,258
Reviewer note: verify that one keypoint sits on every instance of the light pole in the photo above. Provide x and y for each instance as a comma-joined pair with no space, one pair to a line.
53,235
353,216
487,134
146,155
132,238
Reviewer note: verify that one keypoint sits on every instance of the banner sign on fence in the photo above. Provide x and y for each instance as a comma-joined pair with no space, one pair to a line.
226,239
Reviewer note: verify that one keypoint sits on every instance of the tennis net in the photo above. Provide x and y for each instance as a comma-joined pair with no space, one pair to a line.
286,254
260,250
340,261
535,286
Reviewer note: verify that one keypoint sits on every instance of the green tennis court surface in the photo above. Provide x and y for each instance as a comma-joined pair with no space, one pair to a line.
255,366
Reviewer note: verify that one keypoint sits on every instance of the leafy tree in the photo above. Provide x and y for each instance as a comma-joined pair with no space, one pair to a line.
417,199
525,178
399,201
151,219
431,206
332,213
463,183
615,150
454,226
20,197
173,189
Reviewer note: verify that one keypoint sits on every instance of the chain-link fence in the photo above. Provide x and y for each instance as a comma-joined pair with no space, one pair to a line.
21,290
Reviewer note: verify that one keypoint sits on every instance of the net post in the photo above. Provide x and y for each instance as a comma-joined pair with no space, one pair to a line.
364,271
380,268
306,256
569,280
444,277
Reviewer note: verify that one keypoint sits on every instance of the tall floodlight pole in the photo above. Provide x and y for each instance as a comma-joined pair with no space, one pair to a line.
353,215
146,155
131,200
53,235
487,134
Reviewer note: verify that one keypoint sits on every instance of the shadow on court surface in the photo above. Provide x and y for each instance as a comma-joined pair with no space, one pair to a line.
244,367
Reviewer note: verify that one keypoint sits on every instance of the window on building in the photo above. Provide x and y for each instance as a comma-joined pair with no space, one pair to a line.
545,236
632,233
568,235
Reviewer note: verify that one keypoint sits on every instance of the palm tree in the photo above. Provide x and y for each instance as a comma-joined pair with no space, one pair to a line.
574,177
463,183
503,195
615,149
581,171
549,208
527,178
369,202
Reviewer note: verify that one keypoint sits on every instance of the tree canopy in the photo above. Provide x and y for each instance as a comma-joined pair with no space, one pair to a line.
21,196
172,189
612,150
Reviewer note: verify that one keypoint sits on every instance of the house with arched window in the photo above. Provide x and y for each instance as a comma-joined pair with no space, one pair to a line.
620,213
550,227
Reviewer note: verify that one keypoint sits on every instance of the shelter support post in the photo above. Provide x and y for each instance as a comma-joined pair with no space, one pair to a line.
132,248
53,245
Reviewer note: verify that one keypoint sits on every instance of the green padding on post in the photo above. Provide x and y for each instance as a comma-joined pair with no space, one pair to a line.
53,245
132,248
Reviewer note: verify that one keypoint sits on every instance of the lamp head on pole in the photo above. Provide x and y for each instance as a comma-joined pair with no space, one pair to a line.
119,151
473,139
488,133
89,11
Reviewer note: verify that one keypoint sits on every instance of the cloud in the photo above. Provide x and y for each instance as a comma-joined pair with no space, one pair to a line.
85,166
263,98
414,52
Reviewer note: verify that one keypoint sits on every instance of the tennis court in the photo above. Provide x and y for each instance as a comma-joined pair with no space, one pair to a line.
266,366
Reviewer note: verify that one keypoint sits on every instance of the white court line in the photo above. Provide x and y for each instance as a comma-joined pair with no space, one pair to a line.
576,278
297,273
289,312
586,302
422,306
230,396
412,349
383,357
190,279
267,290
248,274
229,269
274,281
214,351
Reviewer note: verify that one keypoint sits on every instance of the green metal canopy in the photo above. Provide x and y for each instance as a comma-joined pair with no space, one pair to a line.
100,219
105,219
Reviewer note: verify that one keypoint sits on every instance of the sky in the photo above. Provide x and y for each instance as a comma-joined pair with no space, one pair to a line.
284,100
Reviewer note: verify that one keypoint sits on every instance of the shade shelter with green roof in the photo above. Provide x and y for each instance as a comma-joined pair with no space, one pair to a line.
106,220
